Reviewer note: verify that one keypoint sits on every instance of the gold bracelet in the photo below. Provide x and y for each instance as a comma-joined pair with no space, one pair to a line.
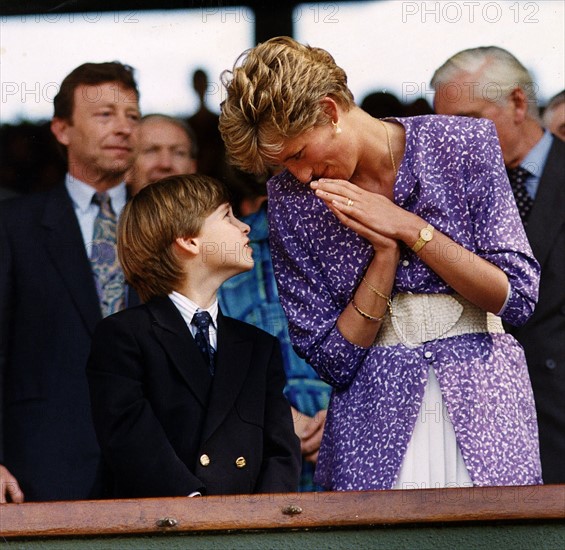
379,293
366,315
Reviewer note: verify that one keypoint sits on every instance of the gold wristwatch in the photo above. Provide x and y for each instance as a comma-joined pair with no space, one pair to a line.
426,235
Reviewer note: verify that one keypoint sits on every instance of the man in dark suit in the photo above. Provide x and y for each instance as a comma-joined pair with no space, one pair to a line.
56,282
186,401
490,82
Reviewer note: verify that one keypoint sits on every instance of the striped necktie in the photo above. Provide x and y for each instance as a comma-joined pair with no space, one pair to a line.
108,274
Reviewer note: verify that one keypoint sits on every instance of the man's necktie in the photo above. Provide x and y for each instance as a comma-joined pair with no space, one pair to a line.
517,177
108,274
202,321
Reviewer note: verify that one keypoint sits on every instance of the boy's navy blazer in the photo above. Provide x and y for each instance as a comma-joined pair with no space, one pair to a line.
168,428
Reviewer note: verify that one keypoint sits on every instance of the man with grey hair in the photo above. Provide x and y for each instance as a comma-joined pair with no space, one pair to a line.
166,147
490,82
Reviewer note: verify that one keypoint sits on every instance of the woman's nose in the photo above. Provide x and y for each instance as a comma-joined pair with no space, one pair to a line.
302,174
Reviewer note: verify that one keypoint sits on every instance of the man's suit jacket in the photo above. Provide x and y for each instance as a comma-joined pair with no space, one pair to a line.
543,336
48,311
166,427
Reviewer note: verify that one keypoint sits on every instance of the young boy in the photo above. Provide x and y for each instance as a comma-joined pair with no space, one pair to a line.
178,408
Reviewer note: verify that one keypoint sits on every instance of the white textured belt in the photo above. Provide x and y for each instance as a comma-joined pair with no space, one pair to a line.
420,318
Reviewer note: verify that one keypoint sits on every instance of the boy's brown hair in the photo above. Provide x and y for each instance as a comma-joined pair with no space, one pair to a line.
170,208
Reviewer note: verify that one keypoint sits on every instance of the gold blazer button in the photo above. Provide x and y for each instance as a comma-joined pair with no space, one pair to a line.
205,460
240,462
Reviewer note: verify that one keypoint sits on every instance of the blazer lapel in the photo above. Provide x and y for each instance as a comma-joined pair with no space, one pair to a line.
171,330
547,216
233,359
66,248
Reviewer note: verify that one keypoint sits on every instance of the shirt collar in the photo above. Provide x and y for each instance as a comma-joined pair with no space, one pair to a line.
81,194
534,161
188,308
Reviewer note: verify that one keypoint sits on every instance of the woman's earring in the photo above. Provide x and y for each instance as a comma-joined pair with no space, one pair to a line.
336,127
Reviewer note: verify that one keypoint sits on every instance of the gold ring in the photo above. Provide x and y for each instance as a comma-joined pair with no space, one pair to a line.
349,202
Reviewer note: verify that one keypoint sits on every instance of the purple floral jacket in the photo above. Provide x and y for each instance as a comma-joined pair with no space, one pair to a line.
453,176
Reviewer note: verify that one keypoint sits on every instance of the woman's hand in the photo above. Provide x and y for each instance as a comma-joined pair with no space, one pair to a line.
370,215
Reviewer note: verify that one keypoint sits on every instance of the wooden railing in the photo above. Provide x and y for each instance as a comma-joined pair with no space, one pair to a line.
292,511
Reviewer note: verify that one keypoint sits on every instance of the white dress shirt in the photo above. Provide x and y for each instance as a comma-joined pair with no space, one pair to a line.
188,308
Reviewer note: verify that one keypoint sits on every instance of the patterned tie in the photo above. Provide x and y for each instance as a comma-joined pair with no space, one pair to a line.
108,274
517,177
202,321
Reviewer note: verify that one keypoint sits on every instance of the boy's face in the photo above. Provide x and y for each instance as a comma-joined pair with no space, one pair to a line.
225,243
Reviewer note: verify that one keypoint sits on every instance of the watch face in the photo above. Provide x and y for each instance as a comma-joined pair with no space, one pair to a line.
426,234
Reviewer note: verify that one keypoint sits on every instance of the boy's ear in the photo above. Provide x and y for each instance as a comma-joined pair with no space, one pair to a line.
188,244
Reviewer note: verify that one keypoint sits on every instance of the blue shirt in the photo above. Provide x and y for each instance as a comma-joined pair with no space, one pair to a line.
81,194
535,161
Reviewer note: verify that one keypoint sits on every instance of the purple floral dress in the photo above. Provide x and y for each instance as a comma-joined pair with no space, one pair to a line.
453,176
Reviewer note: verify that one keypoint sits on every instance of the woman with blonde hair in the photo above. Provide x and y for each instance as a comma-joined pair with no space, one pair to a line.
397,248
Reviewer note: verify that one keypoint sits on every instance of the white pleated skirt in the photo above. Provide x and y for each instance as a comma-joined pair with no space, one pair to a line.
433,459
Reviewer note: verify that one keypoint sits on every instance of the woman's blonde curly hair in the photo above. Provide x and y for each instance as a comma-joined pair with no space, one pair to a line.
274,93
